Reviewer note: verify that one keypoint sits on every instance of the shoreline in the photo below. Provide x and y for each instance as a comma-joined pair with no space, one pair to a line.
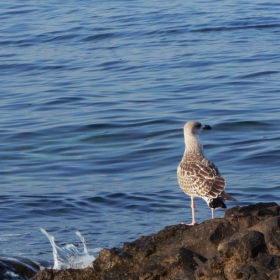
245,244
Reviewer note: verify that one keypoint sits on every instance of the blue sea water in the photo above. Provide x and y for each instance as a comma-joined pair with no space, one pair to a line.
93,99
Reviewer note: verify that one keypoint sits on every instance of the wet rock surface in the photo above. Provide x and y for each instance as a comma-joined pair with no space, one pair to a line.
67,274
245,244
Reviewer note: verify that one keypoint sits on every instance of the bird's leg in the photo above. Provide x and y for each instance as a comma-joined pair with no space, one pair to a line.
212,209
193,213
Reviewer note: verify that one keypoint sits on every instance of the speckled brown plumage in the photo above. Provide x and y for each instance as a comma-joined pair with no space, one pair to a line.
197,176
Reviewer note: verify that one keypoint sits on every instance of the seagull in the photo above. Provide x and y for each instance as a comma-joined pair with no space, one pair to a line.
197,176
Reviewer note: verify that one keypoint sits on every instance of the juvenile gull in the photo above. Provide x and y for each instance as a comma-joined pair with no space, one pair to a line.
197,176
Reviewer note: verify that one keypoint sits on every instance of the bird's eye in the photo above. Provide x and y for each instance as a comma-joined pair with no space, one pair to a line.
198,125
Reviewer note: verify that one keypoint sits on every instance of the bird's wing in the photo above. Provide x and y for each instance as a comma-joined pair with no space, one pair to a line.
205,178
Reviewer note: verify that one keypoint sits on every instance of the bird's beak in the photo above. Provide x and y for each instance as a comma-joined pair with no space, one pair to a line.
207,127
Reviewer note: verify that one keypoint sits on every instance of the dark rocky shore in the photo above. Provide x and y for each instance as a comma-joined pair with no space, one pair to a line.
245,244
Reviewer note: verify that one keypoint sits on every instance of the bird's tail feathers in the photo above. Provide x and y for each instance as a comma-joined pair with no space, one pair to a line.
217,203
226,196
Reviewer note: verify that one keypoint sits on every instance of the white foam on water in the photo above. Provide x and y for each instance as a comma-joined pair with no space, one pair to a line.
11,275
17,268
69,256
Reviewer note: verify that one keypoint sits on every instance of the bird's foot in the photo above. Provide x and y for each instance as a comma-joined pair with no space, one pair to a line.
191,224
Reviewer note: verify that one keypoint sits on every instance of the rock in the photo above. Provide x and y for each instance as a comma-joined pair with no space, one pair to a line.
253,251
67,274
243,245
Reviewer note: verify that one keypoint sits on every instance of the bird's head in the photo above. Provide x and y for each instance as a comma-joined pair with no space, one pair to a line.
195,127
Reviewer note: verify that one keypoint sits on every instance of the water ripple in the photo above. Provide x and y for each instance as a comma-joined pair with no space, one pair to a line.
94,97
